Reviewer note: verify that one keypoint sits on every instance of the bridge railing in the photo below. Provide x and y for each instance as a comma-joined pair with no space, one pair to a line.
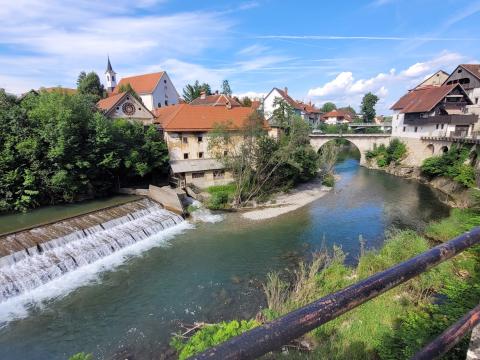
273,335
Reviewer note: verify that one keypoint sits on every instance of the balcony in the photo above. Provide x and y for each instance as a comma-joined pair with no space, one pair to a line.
455,119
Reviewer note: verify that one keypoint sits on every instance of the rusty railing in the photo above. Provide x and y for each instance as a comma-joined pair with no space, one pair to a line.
273,335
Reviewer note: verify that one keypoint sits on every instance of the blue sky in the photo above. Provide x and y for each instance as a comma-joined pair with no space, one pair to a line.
321,50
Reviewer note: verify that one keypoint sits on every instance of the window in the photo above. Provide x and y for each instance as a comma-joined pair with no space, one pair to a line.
476,100
113,77
185,156
185,140
200,139
465,81
159,105
225,153
404,128
218,174
198,175
165,81
459,71
437,126
118,107
166,102
200,155
441,127
416,128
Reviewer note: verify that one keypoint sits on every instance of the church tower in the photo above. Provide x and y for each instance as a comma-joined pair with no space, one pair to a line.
110,77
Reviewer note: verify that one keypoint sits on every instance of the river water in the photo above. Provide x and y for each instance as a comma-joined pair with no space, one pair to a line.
132,302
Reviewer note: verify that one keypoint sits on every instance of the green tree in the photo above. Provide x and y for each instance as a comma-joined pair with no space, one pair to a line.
327,107
127,87
193,91
226,90
283,113
90,84
246,101
368,107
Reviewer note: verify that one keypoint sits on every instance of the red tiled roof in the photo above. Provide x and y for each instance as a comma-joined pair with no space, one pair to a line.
422,99
185,117
215,100
338,113
142,84
288,99
107,103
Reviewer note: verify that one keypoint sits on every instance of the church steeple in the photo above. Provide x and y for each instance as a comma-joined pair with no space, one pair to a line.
110,76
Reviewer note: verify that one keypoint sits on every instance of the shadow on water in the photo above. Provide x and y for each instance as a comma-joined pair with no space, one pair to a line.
214,272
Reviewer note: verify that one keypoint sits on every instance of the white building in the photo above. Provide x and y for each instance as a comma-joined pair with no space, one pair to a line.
308,112
439,111
156,90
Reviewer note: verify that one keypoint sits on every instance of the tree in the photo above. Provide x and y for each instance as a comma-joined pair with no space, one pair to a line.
90,84
127,87
226,88
246,101
327,107
368,107
283,113
193,91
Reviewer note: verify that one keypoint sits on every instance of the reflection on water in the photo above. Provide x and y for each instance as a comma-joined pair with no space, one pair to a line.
214,272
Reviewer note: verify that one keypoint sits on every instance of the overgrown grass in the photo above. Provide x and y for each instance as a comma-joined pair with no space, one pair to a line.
221,196
459,221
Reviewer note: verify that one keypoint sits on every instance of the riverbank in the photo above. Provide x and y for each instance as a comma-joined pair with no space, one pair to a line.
456,195
287,202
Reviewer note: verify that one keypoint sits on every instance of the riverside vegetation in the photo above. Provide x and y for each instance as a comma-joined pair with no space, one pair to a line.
392,326
56,148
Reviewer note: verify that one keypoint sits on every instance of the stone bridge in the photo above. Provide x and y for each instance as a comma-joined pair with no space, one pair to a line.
363,142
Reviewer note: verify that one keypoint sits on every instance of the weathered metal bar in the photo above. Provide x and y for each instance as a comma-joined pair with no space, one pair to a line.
273,335
450,337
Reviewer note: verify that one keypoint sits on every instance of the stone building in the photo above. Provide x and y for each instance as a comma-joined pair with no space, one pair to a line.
125,106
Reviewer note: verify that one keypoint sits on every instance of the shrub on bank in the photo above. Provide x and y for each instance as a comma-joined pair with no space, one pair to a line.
452,164
385,155
220,196
328,180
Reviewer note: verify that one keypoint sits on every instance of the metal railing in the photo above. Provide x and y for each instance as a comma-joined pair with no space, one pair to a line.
273,335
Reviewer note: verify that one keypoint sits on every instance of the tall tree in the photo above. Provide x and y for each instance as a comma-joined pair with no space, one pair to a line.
193,91
226,90
368,107
327,107
90,84
283,113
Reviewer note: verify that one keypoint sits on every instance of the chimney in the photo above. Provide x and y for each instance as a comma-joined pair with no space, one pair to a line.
286,90
203,94
216,92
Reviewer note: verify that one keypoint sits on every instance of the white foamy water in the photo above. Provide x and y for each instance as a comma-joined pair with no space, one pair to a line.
204,215
66,263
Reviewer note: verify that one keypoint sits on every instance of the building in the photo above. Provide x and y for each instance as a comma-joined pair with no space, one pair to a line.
433,111
215,100
126,106
437,79
156,90
337,117
308,112
468,76
186,128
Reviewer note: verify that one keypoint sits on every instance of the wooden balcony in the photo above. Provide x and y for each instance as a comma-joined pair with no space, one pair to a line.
456,119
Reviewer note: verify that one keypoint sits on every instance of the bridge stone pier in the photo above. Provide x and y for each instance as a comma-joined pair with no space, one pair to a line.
363,142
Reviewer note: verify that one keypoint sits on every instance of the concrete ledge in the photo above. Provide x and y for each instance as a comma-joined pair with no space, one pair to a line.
171,199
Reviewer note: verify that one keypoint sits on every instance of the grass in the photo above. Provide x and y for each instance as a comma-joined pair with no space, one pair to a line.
398,323
221,196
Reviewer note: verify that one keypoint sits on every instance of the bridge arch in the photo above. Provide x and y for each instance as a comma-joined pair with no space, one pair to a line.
363,142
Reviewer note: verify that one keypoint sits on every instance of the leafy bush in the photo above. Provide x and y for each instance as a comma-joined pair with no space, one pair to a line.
328,180
451,164
209,336
221,196
385,155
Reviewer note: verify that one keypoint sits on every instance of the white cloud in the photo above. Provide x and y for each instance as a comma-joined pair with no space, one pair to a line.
345,89
255,49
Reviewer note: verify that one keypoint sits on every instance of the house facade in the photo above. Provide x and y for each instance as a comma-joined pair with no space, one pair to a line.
468,76
156,90
437,79
187,134
337,117
440,111
126,106
308,112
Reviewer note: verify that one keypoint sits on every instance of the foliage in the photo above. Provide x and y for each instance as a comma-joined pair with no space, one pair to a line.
128,88
90,84
328,180
328,156
334,129
209,336
226,90
368,107
246,101
81,356
283,114
57,148
327,107
261,164
191,92
451,164
221,196
385,155
459,221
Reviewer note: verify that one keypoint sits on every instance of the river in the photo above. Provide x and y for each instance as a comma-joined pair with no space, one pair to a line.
208,271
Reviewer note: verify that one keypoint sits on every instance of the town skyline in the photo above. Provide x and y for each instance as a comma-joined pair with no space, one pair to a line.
379,46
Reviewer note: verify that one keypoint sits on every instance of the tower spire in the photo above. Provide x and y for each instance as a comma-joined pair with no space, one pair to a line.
110,76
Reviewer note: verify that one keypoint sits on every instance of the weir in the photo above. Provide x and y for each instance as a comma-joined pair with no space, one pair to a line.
34,257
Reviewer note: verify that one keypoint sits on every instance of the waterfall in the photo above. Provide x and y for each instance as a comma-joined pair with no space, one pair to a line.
26,270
